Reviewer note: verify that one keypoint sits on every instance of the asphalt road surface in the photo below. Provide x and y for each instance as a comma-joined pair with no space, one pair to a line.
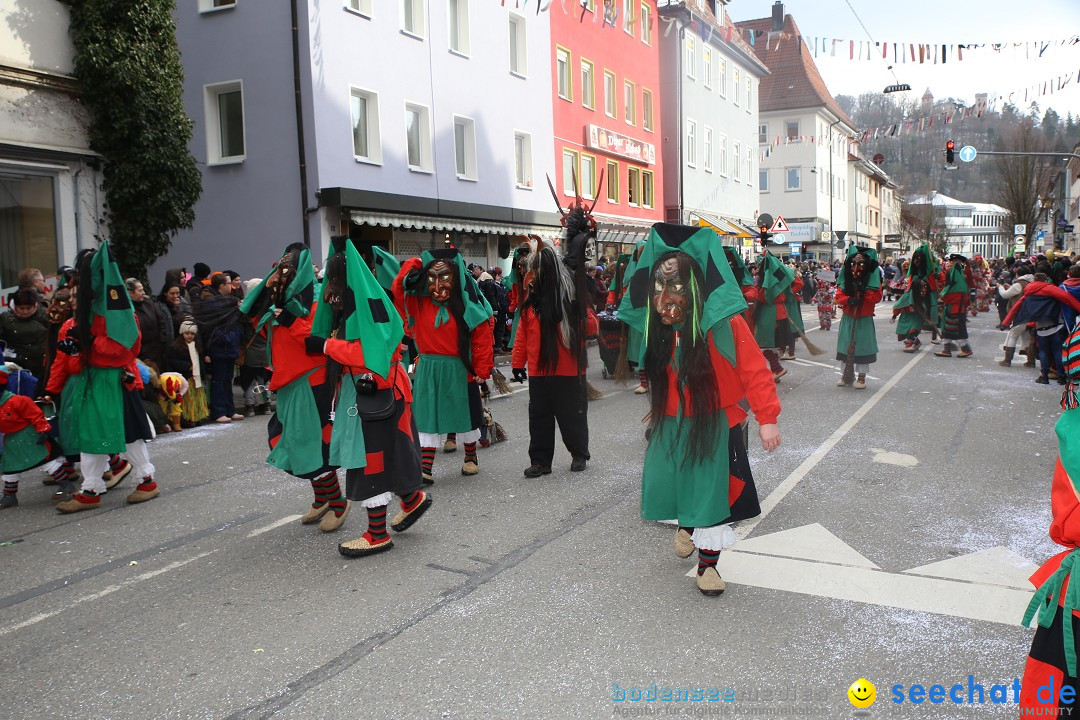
899,525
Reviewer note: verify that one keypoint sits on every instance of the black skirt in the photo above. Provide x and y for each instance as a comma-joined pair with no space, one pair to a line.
393,457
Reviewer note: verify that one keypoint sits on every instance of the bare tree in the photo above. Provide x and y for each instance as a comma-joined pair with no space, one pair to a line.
925,222
1020,182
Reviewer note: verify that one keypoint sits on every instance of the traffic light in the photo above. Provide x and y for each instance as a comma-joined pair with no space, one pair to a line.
802,250
950,157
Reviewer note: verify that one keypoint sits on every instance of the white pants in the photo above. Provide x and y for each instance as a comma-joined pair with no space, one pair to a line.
94,466
433,439
1016,333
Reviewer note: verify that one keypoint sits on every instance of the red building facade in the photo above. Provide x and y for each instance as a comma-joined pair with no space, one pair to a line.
606,86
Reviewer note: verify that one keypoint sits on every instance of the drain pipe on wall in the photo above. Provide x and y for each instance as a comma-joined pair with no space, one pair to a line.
302,156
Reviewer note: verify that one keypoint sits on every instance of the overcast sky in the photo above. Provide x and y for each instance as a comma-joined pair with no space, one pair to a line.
943,21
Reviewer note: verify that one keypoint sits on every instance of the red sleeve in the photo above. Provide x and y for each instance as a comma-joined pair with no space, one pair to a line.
797,285
346,352
841,296
519,358
398,287
483,349
754,372
29,411
592,326
514,300
870,300
109,353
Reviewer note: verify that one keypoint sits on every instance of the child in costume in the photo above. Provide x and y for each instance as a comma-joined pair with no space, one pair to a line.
283,306
858,292
955,297
550,348
702,361
825,300
450,321
1052,661
172,387
102,412
25,439
913,310
184,357
374,437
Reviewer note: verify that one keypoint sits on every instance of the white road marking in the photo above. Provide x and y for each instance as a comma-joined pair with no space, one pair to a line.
977,601
894,458
276,524
809,542
837,370
102,593
993,566
819,454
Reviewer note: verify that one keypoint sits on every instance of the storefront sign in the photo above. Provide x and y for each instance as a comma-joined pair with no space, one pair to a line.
612,143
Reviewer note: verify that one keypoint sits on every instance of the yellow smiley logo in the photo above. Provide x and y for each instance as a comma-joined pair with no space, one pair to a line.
862,693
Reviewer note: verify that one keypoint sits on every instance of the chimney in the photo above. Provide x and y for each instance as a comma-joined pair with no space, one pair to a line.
778,16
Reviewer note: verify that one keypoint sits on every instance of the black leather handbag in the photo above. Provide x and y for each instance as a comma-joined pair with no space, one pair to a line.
374,404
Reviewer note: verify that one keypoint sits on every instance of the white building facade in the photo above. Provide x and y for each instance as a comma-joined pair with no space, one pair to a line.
50,197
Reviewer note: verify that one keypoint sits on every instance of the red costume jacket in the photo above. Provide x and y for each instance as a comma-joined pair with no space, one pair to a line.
442,340
20,411
63,365
750,379
350,353
288,354
757,294
107,353
866,309
527,347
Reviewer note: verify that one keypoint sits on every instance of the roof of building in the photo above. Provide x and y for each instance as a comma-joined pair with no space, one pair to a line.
795,81
720,35
945,201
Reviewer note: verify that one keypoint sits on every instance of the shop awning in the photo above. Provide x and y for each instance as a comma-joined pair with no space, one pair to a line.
450,224
620,231
724,227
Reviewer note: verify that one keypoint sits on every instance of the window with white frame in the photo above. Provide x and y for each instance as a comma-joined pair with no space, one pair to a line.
646,110
413,17
517,45
569,171
749,87
749,164
763,134
562,66
629,15
646,24
707,149
361,7
736,156
792,129
646,189
722,164
523,168
706,67
458,20
609,93
722,78
465,147
588,176
735,92
588,85
792,178
364,112
633,186
763,180
691,56
225,137
691,143
212,5
629,102
418,137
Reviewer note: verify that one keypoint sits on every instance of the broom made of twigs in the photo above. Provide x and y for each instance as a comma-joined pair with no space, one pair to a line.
814,349
500,383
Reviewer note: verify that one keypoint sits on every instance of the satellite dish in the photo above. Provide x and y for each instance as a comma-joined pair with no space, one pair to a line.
878,159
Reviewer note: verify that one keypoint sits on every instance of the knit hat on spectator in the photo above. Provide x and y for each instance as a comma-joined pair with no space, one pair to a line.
188,326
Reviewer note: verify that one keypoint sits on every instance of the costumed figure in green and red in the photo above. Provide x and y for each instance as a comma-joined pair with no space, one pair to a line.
451,323
702,360
26,438
955,297
775,283
374,440
549,349
858,291
916,310
1052,663
283,307
101,411
517,290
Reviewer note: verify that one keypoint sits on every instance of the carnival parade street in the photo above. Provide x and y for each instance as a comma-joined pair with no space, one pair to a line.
899,524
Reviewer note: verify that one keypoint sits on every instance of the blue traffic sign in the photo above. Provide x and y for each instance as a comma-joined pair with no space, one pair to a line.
968,153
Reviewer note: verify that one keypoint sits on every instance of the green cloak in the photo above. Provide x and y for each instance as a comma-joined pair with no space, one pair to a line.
776,280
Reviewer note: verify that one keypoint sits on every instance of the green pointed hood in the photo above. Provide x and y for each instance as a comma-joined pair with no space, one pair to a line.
776,276
931,263
736,259
300,294
477,308
370,317
722,297
519,251
111,299
956,279
386,268
873,277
